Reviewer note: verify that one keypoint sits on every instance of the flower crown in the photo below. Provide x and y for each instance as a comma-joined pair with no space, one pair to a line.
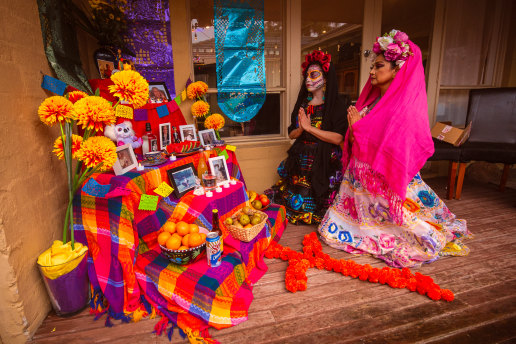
394,46
317,56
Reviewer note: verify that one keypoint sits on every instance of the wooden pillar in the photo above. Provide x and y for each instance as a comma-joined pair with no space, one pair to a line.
452,175
505,176
460,179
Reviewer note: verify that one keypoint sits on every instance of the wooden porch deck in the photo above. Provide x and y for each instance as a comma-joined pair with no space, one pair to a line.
338,309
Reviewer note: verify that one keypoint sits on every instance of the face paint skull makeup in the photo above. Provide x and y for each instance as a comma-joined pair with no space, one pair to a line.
314,78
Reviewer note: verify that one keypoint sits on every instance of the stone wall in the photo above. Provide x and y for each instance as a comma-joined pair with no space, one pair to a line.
32,180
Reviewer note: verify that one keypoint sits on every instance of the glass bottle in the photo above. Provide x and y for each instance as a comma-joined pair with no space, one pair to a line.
216,227
150,141
202,167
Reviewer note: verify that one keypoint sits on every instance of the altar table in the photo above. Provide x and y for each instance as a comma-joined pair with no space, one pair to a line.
129,275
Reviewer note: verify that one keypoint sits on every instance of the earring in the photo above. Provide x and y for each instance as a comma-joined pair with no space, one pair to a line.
310,96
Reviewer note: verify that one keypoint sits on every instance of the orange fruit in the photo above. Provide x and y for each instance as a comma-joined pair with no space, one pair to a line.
177,236
203,236
169,227
173,243
163,237
185,240
182,228
248,225
195,240
183,248
194,228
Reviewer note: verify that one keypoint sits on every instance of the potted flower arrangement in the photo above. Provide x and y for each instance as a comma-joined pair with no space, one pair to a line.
64,265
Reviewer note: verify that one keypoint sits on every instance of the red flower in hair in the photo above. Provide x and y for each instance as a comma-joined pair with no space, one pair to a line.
317,56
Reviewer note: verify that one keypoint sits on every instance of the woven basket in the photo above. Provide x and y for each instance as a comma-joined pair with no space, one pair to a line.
247,234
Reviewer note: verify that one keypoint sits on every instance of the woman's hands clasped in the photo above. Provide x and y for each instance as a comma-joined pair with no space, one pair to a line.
304,120
353,115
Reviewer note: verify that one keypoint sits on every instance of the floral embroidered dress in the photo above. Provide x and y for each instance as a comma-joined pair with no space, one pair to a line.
294,189
358,223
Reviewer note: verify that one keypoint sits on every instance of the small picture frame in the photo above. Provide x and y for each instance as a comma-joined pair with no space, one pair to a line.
188,132
182,179
207,137
158,93
219,169
106,68
126,160
164,135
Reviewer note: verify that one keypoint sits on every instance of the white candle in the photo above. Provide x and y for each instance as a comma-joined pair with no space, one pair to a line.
173,158
226,185
218,189
209,194
233,181
140,167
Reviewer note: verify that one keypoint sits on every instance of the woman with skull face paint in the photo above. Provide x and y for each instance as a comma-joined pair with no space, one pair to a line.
311,174
384,208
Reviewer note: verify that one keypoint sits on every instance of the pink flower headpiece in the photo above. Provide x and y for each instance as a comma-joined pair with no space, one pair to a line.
394,46
317,56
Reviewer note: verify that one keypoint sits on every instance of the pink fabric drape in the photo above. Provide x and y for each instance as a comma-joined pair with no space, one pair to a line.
393,141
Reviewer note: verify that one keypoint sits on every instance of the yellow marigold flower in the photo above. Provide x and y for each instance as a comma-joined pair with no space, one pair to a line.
74,96
59,150
196,89
94,113
130,86
200,108
98,149
55,109
214,121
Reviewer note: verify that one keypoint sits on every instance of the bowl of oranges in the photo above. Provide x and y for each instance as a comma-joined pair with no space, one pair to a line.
182,243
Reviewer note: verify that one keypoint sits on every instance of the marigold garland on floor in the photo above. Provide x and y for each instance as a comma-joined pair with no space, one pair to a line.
313,256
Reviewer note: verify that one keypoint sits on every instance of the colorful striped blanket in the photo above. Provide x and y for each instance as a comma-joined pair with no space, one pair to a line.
129,276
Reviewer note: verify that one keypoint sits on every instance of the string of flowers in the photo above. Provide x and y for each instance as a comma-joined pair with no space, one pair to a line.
313,256
201,109
91,113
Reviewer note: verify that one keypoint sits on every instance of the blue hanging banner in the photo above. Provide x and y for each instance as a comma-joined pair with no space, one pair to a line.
239,46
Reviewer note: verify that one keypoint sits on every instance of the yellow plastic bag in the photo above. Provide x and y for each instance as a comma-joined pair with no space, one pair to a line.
59,259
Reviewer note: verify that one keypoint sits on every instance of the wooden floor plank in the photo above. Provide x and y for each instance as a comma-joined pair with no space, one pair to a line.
339,309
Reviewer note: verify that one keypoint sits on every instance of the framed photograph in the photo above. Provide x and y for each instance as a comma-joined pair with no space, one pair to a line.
106,62
182,179
164,135
158,93
126,160
219,168
188,132
207,137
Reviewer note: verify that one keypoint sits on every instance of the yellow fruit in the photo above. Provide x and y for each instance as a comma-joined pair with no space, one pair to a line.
163,237
248,225
185,239
175,235
195,240
169,227
183,248
182,228
247,210
173,243
194,228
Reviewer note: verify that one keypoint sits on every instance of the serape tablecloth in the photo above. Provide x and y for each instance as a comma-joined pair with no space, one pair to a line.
127,271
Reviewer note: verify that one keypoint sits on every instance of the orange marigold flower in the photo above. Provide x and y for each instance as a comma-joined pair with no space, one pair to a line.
200,108
214,121
59,149
447,295
74,96
94,113
196,89
130,86
96,150
56,109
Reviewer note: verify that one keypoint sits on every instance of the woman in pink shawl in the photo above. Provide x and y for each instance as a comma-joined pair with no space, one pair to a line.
384,208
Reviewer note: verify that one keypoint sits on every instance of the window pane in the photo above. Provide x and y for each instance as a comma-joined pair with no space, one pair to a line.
203,42
266,122
415,18
335,28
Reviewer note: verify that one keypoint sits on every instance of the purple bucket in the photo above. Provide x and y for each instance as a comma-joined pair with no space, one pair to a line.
69,293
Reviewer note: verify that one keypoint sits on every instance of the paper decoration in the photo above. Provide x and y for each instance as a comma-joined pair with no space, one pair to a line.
172,107
164,189
53,85
230,148
118,191
93,188
141,115
183,95
148,202
162,111
178,100
124,111
224,154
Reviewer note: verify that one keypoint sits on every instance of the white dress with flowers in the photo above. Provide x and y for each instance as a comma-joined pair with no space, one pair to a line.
359,223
